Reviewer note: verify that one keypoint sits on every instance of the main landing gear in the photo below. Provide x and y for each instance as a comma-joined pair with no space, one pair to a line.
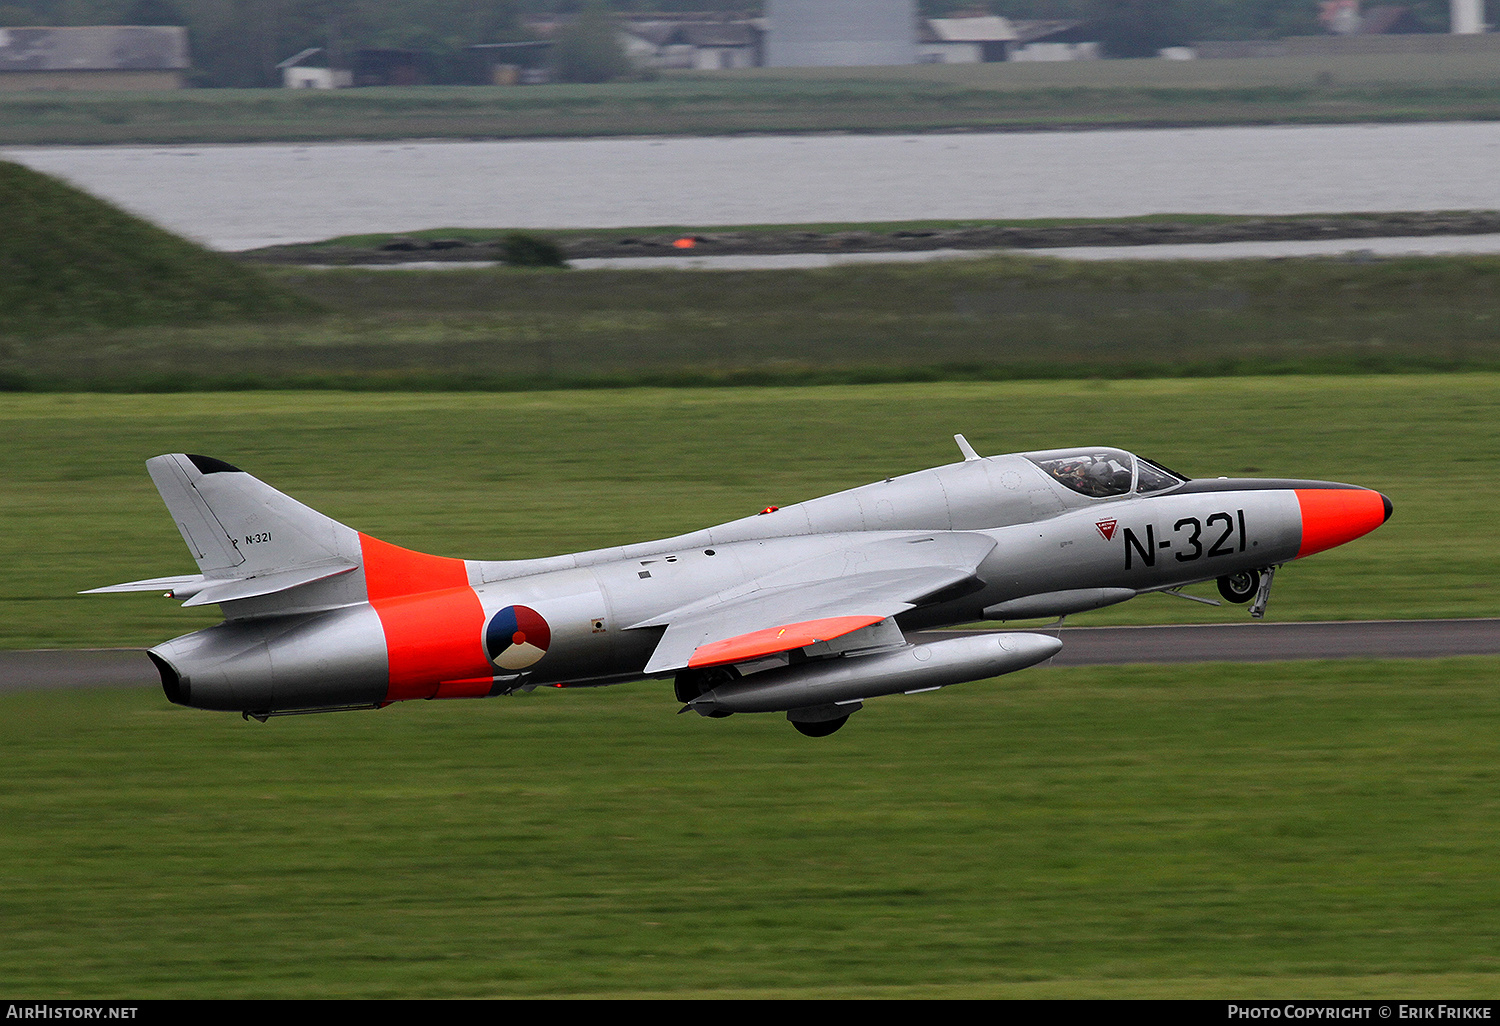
822,720
820,729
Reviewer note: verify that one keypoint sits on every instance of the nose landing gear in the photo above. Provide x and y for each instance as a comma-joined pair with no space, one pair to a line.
1244,585
1239,587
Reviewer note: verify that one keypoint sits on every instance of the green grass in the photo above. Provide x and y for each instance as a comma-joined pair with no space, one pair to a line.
1085,94
983,319
496,476
71,261
1311,830
1306,830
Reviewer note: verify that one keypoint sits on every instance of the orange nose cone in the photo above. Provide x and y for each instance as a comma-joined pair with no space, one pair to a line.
1332,516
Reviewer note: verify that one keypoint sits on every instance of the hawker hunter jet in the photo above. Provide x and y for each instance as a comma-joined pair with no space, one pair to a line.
803,609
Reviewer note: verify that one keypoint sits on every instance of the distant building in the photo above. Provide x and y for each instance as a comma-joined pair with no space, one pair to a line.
1345,18
992,38
965,40
110,57
309,70
838,33
704,41
391,67
701,44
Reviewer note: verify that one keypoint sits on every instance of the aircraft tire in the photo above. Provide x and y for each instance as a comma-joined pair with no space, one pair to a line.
1240,587
821,728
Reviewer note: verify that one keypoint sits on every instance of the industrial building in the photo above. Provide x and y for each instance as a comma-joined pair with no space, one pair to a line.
835,33
111,57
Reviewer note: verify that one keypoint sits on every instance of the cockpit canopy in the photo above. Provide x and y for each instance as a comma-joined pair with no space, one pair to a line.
1100,473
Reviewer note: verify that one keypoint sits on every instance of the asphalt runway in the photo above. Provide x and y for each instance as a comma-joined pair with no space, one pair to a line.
1082,646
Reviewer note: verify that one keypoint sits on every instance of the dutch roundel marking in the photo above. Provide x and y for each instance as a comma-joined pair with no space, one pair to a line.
516,637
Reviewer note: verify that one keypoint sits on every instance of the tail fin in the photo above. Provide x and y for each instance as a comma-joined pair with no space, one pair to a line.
247,538
250,541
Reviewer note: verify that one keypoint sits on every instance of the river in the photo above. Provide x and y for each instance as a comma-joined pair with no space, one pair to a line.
244,196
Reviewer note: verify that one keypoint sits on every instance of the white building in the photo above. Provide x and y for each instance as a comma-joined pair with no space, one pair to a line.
308,70
702,45
991,38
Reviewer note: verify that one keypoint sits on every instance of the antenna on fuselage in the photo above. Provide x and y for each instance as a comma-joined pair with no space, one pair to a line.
965,448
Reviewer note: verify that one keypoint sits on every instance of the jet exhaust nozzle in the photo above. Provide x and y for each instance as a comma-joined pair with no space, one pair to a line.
323,660
848,679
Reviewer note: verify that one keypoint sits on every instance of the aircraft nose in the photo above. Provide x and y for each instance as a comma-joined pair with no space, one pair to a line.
1333,516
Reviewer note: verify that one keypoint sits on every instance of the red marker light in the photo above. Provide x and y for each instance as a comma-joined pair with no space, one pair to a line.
685,243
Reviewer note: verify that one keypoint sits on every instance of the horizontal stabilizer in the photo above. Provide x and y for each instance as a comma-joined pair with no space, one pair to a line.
266,584
168,584
205,591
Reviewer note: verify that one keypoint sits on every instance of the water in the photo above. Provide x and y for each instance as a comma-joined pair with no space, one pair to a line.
240,197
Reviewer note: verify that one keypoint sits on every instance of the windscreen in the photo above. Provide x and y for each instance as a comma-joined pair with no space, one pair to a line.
1153,477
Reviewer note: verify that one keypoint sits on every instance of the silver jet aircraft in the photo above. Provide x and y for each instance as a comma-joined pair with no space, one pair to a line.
801,609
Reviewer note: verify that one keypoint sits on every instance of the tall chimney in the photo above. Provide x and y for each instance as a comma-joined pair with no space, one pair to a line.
1467,17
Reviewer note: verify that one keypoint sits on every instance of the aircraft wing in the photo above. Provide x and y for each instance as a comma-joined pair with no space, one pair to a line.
828,597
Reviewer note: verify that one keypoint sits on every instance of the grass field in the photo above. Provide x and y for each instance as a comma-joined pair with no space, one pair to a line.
1291,830
991,318
1007,96
515,475
1301,830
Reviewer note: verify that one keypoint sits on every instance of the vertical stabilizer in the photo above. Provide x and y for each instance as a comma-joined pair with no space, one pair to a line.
238,526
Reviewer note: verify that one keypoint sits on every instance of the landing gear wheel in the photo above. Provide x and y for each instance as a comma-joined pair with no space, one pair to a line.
1240,587
822,728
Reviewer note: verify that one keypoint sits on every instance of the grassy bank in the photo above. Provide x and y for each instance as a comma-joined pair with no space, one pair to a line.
1093,94
999,318
70,261
1309,830
515,475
